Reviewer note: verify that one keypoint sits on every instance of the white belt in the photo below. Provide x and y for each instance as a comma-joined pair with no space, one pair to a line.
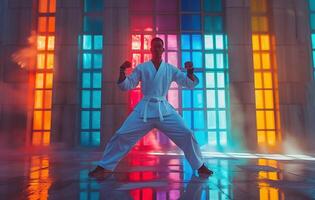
155,99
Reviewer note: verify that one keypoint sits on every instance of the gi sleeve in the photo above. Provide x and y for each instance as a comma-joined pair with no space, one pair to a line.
182,79
131,81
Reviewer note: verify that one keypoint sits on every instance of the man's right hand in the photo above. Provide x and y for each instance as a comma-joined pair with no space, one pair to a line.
125,65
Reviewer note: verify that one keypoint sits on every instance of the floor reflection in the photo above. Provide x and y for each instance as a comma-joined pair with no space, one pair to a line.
63,175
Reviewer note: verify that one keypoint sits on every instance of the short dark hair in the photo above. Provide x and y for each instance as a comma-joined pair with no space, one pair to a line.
157,39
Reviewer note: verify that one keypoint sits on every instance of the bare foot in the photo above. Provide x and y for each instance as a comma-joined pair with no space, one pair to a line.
100,173
204,172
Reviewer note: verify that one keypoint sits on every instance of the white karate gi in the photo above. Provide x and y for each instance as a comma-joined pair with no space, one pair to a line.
153,111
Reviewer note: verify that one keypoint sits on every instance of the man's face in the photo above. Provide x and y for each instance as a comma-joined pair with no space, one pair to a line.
157,48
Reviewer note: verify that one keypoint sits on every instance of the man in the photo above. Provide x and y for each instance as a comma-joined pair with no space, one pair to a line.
153,111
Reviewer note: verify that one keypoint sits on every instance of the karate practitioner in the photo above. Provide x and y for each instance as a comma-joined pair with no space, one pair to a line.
153,111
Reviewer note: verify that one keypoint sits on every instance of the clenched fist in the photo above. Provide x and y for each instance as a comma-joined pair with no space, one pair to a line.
125,65
189,67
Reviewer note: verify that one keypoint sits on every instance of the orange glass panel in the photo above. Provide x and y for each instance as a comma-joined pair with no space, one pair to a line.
42,24
266,60
43,5
173,98
47,120
267,80
269,103
258,80
271,136
38,102
257,60
40,61
259,98
52,6
270,116
37,120
50,61
41,42
36,140
39,80
261,137
136,42
260,119
255,41
49,80
47,99
265,42
51,24
51,43
258,6
46,141
263,193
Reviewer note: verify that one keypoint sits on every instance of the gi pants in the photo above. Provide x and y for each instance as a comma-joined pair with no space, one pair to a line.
134,128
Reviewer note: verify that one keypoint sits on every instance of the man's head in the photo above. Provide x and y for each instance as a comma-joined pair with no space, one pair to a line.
157,48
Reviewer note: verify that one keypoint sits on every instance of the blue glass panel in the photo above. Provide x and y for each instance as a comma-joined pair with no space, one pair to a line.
226,42
85,101
197,59
312,21
190,5
95,139
312,5
211,120
207,24
226,61
185,42
313,58
87,42
196,42
187,118
199,119
84,196
95,195
87,58
92,6
219,42
186,98
97,99
97,80
92,24
219,60
313,41
98,60
220,80
210,83
221,98
96,119
209,42
198,98
222,120
201,137
211,99
213,5
98,42
212,138
217,24
223,138
185,57
85,119
191,23
86,80
209,59
85,138
200,77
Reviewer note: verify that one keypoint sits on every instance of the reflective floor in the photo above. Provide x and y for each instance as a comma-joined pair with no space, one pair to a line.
63,175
